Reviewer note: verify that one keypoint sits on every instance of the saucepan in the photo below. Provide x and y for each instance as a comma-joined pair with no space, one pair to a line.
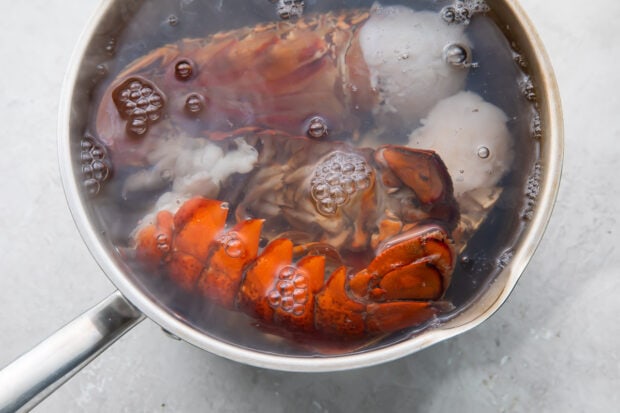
488,264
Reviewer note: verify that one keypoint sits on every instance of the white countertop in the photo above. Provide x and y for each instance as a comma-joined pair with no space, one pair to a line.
554,346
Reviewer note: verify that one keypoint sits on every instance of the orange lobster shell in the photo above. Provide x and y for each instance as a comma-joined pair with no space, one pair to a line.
399,288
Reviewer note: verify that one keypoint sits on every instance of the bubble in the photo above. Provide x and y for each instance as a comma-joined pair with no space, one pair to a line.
153,115
362,181
234,246
100,171
287,273
348,168
466,262
92,187
457,55
483,152
130,106
333,179
317,127
300,282
167,175
299,309
287,9
348,185
155,100
300,296
173,20
110,47
521,60
86,144
138,126
338,195
285,287
287,303
448,14
86,157
183,70
101,69
327,206
163,243
273,298
320,191
194,103
87,171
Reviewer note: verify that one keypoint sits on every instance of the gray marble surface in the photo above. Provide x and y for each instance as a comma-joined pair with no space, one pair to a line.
554,346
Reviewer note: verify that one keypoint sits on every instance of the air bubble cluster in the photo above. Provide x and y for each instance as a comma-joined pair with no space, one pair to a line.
95,165
163,243
532,191
536,126
528,89
110,47
520,60
287,9
504,259
291,292
462,11
337,179
140,103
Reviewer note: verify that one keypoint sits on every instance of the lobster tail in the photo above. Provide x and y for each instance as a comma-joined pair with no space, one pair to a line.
395,291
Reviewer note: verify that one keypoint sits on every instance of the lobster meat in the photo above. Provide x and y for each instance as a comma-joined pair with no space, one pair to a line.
399,213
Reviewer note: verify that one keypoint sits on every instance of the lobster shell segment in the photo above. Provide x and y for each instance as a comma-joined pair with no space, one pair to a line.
231,253
337,314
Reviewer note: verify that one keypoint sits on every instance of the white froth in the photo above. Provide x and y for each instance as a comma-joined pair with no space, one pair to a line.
404,53
458,129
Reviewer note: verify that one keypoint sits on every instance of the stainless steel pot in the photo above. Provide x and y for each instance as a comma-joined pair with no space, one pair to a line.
29,379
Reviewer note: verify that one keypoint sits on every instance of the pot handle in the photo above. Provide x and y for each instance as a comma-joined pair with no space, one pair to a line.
35,375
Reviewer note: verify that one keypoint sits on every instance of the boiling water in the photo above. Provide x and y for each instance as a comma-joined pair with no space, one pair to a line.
497,74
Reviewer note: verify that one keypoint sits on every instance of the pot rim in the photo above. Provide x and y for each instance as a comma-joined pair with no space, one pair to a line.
551,158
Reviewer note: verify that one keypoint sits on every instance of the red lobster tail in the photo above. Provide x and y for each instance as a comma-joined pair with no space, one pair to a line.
397,289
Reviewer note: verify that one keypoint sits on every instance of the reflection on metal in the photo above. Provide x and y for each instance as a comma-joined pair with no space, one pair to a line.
31,378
